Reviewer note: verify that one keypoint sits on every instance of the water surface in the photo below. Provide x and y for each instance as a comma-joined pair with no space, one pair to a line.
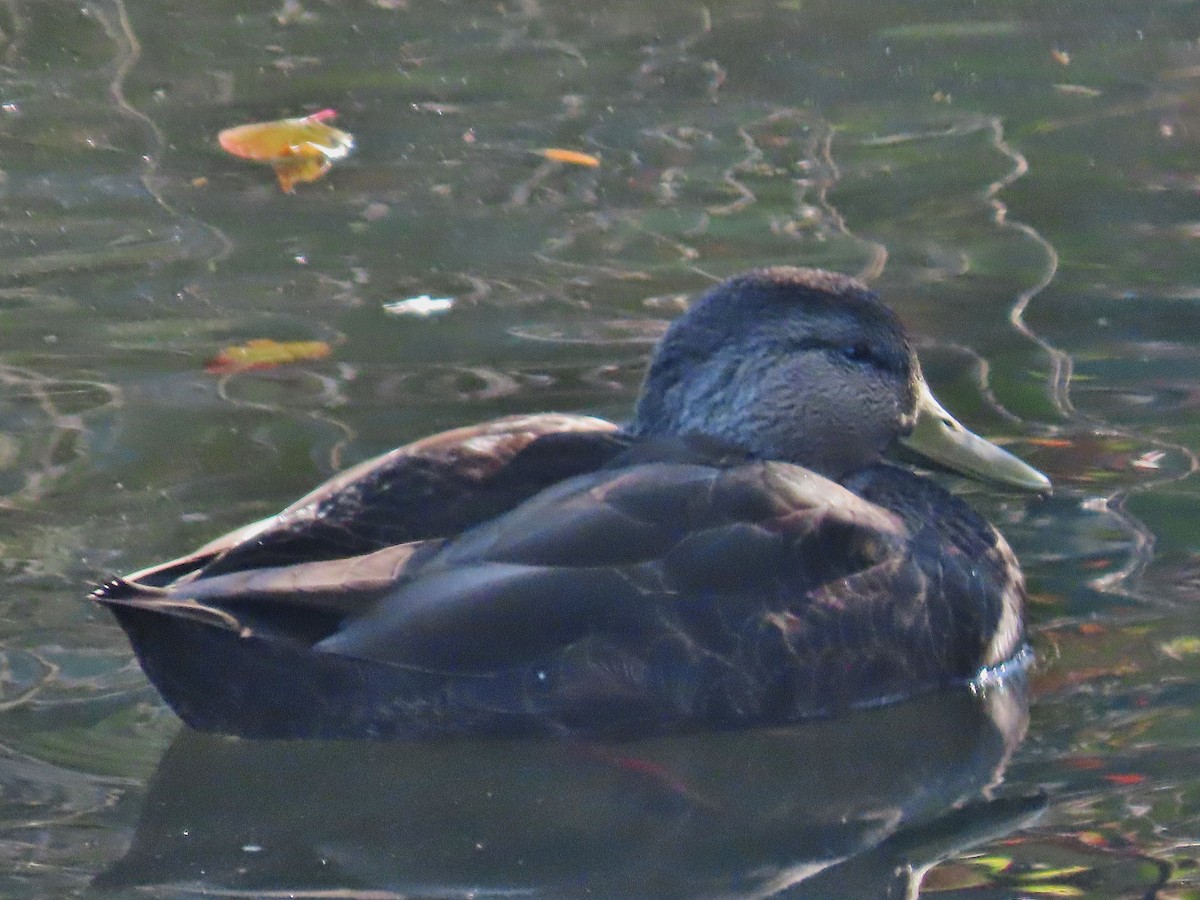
1018,179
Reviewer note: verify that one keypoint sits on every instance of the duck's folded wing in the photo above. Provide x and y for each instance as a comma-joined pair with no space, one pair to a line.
627,557
432,488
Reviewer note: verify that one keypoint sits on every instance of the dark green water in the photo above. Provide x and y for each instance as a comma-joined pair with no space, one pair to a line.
1020,180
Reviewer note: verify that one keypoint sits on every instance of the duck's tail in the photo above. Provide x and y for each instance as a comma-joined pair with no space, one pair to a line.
118,590
120,594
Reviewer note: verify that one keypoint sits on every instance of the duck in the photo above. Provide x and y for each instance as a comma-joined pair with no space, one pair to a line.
744,552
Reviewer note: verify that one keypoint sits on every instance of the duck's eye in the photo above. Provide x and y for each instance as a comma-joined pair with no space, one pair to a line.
858,352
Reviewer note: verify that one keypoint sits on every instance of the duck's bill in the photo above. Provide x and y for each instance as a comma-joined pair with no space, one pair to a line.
939,436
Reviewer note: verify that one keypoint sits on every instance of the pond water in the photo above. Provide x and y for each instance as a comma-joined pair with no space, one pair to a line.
1019,179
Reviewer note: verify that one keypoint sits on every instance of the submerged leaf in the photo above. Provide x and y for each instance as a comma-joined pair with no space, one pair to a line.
299,169
994,864
264,353
1050,874
300,149
1078,90
944,30
953,876
1124,778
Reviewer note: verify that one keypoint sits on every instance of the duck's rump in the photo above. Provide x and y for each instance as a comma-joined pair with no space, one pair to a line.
653,595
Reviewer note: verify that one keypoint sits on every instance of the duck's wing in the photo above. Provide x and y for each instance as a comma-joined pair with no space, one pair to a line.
636,557
755,592
433,488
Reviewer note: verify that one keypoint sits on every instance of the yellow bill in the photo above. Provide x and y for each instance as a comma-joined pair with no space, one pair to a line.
938,436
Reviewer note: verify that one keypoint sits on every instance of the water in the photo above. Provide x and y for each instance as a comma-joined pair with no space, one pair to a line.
1018,179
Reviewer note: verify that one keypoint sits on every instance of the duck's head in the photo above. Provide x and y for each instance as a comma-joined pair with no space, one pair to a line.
809,367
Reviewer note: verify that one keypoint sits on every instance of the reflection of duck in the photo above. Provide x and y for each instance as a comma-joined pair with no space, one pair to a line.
738,555
852,807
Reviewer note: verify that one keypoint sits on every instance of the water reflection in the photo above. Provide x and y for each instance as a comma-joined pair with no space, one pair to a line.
858,806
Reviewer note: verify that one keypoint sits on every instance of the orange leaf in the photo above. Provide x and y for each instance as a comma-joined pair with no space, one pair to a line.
264,353
1125,778
299,149
573,157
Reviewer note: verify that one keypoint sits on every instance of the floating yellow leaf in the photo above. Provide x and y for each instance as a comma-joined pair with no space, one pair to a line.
1181,647
264,353
299,149
572,157
285,138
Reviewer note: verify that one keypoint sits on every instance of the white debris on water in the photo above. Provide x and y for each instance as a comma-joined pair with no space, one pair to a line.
423,305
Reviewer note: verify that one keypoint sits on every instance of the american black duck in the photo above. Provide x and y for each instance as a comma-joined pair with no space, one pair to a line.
738,554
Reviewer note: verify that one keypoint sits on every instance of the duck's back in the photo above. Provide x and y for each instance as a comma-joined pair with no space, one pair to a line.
433,488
